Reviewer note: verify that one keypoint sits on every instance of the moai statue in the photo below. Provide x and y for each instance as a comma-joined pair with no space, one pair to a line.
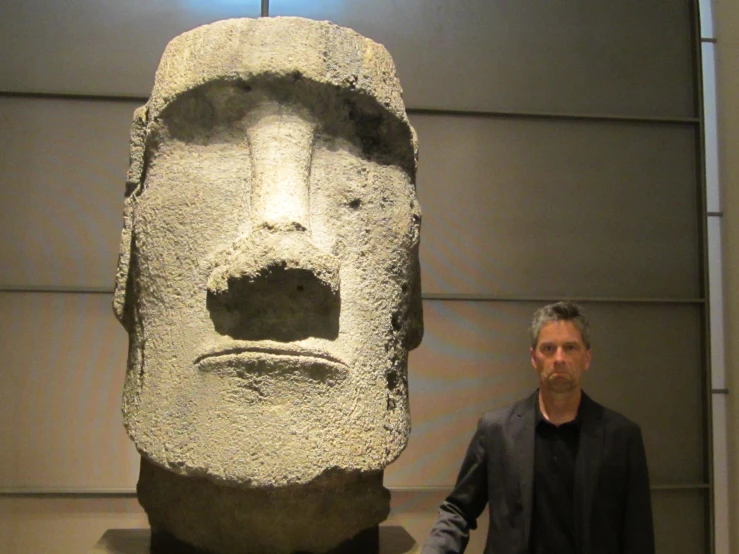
269,281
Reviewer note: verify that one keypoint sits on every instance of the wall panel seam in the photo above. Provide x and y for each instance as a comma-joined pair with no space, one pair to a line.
432,296
131,492
412,111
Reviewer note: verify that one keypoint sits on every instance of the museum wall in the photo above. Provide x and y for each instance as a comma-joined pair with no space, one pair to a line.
560,157
727,67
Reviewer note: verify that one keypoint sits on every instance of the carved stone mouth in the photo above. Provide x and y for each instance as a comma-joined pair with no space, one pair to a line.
272,359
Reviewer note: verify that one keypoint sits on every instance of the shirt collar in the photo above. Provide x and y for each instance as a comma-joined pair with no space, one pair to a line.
539,417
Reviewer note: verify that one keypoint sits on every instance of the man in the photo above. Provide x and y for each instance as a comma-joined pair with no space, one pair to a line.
269,280
561,473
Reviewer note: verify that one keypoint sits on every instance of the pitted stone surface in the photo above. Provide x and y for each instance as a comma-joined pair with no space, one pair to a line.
312,518
269,280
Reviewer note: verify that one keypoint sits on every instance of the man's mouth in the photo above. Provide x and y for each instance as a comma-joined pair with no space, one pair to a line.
560,374
268,358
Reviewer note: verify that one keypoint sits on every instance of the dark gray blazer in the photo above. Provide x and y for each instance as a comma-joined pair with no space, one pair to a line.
613,513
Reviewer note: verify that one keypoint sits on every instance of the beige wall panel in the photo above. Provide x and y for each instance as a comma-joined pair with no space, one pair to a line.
62,428
595,56
532,194
648,364
678,519
474,358
97,46
62,179
74,525
680,522
521,207
61,379
727,30
588,56
63,525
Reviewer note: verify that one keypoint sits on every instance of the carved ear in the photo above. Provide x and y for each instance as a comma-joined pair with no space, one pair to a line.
414,333
122,274
134,181
415,310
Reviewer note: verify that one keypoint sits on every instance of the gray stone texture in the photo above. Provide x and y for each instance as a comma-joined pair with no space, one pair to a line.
269,281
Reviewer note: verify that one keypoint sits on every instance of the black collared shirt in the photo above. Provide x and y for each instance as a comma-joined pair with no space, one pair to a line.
553,516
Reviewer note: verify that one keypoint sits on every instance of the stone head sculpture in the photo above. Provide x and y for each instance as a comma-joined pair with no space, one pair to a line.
268,278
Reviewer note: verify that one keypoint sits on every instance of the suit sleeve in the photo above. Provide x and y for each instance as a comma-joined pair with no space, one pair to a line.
459,512
638,531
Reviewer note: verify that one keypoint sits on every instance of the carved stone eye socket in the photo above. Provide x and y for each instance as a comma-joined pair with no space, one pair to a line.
196,114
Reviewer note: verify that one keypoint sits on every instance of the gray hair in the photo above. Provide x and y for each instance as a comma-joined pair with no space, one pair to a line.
561,311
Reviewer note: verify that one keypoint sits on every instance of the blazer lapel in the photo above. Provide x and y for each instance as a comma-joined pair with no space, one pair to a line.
522,433
587,468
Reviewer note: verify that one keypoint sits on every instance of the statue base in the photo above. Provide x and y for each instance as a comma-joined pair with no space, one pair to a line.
316,517
384,539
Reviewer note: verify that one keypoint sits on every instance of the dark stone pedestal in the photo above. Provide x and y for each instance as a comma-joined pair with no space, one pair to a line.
385,539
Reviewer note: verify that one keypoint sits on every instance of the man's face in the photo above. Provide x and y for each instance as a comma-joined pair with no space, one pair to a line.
275,264
560,357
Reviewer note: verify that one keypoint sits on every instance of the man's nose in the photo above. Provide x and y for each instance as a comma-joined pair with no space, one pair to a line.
275,283
559,354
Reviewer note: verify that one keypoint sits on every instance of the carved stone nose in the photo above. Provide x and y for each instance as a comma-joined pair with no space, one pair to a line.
275,285
280,138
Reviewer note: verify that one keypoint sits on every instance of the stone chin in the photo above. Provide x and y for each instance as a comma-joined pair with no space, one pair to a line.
263,414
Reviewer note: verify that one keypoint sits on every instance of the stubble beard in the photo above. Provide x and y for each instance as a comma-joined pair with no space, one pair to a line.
560,384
